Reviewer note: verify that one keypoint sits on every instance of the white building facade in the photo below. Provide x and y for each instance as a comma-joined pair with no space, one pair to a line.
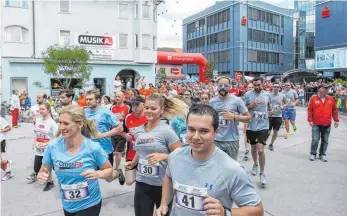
119,35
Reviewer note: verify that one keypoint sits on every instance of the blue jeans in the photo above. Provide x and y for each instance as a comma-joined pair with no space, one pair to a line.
320,132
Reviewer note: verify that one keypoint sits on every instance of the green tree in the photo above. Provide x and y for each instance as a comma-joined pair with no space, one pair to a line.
211,66
162,73
69,62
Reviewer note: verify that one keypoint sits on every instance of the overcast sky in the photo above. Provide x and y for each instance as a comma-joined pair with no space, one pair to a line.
170,23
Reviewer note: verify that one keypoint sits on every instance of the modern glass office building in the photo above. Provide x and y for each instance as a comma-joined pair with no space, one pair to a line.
221,31
306,33
331,38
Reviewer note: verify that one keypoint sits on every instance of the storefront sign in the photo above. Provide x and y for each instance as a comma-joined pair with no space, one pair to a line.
100,54
326,12
331,58
95,40
244,21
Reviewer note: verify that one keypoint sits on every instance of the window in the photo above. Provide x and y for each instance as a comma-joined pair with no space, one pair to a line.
146,40
136,11
136,41
145,11
252,55
17,34
154,43
64,6
155,14
123,11
282,22
250,32
17,3
64,38
123,41
281,39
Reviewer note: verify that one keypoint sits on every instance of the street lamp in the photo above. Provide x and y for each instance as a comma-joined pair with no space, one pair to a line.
243,61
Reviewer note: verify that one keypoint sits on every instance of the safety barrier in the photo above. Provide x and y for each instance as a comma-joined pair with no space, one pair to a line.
307,97
341,102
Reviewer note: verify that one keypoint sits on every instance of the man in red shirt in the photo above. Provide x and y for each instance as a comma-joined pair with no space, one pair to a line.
321,109
132,121
234,89
120,110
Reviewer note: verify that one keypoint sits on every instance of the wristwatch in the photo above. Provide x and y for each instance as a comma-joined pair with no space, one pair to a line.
227,211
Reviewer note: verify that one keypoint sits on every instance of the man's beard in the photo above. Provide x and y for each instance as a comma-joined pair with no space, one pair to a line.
257,90
222,92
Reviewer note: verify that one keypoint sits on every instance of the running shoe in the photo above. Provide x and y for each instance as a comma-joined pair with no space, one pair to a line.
121,177
263,180
49,186
32,177
312,157
245,158
294,128
7,176
271,147
286,136
8,166
323,158
255,169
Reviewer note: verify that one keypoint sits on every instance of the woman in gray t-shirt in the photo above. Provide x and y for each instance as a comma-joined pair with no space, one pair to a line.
154,142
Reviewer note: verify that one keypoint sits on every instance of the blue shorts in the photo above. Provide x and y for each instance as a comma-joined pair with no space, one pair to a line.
289,114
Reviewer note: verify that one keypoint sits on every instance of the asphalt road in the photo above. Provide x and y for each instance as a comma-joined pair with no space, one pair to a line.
296,186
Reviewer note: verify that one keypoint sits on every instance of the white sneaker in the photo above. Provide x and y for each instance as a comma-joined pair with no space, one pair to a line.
263,180
9,166
7,176
255,169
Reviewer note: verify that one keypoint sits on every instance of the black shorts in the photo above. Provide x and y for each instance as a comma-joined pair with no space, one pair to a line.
275,123
118,143
255,137
91,211
110,158
3,146
37,163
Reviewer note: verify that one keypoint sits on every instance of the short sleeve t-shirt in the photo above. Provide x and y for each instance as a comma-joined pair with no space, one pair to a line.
157,140
228,130
179,125
3,125
45,131
291,96
76,192
120,111
104,120
226,181
260,113
277,100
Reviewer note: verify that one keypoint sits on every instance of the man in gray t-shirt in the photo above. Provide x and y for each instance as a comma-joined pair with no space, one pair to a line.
259,104
279,102
289,113
202,178
231,110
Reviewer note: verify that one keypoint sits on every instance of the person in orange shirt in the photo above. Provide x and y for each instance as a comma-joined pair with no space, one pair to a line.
82,102
143,91
151,88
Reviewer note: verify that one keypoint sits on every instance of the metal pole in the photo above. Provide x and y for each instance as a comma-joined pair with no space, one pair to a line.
243,63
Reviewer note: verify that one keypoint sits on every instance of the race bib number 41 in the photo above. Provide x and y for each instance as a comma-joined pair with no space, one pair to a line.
190,197
75,192
146,169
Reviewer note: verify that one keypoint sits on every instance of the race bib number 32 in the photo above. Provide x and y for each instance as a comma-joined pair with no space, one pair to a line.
190,197
146,169
75,192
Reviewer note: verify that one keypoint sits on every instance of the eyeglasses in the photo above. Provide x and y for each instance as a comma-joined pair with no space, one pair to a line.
275,86
221,85
186,94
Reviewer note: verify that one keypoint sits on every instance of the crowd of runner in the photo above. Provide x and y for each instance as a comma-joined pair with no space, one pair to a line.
180,143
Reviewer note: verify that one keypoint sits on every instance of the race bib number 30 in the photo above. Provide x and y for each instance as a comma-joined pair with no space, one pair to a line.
190,197
75,192
146,169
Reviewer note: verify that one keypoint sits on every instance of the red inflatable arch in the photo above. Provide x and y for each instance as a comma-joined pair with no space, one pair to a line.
185,58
